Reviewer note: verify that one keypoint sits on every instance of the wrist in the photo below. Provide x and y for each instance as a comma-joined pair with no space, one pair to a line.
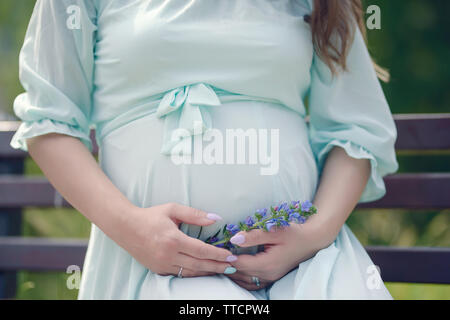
119,217
322,230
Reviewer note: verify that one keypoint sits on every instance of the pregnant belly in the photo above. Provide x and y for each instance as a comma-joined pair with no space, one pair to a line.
278,167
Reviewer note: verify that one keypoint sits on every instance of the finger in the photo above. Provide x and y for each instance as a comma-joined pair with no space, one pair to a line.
255,265
245,277
241,276
201,265
189,273
201,250
248,279
256,237
192,215
252,286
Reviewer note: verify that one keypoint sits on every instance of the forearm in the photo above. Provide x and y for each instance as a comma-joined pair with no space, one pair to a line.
74,172
341,185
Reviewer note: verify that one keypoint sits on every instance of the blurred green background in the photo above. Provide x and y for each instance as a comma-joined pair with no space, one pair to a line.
413,43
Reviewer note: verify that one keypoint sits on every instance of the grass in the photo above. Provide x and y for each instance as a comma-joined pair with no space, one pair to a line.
414,291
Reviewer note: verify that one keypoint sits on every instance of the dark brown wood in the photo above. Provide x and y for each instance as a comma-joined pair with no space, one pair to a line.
41,254
415,191
423,131
10,225
409,191
21,191
5,149
417,264
7,130
420,265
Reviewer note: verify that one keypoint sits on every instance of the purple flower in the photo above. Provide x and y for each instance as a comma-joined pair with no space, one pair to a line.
249,221
232,228
281,215
294,216
283,222
262,212
229,245
306,205
284,206
301,220
213,239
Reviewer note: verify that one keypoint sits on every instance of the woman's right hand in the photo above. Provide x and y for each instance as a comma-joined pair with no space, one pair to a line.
153,238
150,235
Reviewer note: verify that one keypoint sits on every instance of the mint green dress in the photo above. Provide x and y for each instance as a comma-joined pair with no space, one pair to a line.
137,71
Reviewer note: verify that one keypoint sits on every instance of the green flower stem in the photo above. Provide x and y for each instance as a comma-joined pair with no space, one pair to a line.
219,242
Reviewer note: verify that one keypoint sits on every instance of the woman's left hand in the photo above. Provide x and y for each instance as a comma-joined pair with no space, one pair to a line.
284,249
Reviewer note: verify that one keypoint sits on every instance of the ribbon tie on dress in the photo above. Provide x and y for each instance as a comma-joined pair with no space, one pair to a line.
181,109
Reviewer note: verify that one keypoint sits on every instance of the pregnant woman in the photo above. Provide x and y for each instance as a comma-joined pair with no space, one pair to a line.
141,73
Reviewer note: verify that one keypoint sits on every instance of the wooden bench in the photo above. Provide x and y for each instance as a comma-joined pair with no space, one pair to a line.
412,191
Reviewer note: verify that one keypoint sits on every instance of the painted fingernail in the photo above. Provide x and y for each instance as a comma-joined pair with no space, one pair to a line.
238,239
213,216
229,270
231,258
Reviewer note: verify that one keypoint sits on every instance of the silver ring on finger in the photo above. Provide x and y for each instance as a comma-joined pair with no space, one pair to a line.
180,275
256,281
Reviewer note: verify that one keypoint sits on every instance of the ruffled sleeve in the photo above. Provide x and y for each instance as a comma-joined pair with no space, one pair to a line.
56,70
350,111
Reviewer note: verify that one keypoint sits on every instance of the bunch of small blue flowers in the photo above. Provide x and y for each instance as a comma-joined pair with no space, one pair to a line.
278,216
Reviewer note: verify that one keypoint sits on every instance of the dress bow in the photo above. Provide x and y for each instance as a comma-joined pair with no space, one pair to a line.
181,108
